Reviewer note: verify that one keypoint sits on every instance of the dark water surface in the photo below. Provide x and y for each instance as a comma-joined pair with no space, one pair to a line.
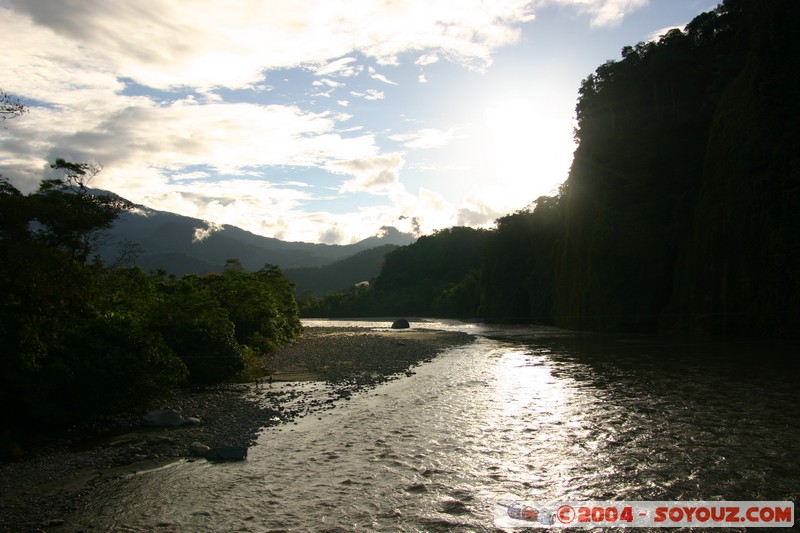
523,413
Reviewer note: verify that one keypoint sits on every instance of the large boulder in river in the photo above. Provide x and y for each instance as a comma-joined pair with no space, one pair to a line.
163,418
227,453
400,323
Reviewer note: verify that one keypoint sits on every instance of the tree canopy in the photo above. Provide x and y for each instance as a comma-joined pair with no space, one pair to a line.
82,340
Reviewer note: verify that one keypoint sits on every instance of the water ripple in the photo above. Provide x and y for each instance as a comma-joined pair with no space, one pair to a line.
530,417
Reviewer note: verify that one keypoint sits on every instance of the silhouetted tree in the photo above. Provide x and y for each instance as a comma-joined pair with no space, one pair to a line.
10,107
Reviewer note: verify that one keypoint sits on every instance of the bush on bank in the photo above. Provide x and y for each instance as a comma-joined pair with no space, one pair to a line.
79,340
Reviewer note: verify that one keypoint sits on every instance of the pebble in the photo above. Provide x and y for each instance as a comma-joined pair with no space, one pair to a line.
222,415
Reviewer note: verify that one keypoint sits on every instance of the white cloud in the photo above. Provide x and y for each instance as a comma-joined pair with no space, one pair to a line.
427,59
425,138
384,79
198,175
340,67
658,34
75,61
372,174
424,212
380,77
201,234
369,94
254,205
611,12
332,235
603,12
475,212
163,44
219,135
327,81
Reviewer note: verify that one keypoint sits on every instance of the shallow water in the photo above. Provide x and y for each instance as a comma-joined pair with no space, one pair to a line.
523,413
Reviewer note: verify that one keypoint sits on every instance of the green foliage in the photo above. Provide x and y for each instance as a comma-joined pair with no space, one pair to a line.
339,275
196,327
81,340
683,163
642,129
113,364
518,272
212,321
739,270
436,275
68,217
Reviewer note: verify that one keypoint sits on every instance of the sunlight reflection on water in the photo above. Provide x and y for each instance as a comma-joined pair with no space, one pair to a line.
516,418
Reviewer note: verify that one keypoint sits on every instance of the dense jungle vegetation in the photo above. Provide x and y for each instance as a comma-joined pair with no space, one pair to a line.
681,210
80,339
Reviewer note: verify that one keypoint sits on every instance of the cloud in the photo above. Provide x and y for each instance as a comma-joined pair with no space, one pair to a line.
219,135
425,138
424,212
603,12
339,67
197,175
201,234
658,34
380,77
164,44
427,59
86,66
384,79
371,174
477,213
611,12
369,94
332,235
327,81
255,205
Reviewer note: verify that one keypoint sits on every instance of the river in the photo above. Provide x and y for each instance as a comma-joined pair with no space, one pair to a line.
522,413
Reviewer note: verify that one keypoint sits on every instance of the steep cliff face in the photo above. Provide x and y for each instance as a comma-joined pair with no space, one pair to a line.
643,124
681,208
739,271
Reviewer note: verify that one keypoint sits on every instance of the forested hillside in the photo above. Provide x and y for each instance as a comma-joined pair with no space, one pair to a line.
682,207
80,340
438,275
362,266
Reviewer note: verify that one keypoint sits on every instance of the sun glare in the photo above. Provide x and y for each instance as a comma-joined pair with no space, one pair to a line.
531,147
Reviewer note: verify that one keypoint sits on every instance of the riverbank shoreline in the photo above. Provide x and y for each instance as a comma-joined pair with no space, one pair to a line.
39,490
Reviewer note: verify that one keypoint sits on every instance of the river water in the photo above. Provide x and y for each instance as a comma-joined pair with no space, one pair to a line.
521,414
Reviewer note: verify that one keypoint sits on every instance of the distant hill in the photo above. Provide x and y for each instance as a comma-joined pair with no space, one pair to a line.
363,266
175,243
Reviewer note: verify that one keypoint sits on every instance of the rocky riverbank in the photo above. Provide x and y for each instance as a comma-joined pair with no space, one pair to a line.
42,488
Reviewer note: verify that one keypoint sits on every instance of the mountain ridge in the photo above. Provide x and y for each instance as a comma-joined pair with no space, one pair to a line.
180,245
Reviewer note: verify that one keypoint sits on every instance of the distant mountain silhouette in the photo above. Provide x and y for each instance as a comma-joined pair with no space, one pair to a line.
342,274
183,245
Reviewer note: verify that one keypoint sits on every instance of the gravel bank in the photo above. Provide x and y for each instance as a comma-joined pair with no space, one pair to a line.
39,490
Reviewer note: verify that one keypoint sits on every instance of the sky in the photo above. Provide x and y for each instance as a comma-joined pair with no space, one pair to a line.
312,120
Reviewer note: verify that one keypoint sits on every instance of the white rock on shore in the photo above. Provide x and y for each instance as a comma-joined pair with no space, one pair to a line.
163,418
